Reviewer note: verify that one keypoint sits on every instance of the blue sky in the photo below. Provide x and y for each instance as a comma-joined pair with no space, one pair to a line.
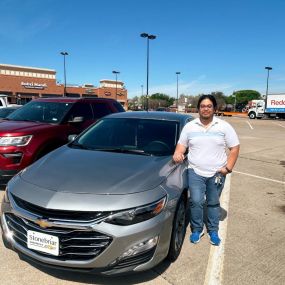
217,45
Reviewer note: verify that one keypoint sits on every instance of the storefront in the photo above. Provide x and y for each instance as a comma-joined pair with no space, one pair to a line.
23,84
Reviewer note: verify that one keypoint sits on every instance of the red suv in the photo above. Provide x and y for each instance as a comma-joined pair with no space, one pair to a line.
43,125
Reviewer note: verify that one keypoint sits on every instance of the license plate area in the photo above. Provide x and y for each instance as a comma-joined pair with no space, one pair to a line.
43,242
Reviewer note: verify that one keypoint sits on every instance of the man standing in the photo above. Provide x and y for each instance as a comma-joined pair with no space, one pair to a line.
207,139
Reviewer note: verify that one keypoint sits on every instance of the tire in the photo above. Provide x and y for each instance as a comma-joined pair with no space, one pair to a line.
252,115
178,230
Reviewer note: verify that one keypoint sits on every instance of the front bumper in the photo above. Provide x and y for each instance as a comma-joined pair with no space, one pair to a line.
123,238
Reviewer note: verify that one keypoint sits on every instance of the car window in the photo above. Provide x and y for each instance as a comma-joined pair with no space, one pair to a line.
81,110
39,111
100,109
157,137
118,106
4,112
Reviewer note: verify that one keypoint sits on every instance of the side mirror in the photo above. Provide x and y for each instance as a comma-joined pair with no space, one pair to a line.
71,138
76,120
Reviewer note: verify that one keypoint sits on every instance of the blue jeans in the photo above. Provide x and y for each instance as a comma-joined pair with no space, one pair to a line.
200,188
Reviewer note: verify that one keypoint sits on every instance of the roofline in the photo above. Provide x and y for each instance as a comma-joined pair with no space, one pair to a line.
27,67
111,80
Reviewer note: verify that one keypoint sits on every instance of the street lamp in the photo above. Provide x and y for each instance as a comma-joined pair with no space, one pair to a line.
177,73
116,73
142,98
268,68
235,103
149,37
64,53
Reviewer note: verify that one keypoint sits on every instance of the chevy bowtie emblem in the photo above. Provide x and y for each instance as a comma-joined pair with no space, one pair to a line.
43,223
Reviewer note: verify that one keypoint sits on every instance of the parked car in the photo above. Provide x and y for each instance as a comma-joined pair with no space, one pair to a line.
4,103
6,111
110,201
43,125
163,109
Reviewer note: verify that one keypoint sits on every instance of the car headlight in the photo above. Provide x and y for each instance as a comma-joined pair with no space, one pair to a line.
137,215
15,141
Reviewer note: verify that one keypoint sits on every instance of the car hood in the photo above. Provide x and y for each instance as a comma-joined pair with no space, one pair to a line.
97,172
20,126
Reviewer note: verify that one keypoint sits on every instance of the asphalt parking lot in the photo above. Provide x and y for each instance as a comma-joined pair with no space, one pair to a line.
252,227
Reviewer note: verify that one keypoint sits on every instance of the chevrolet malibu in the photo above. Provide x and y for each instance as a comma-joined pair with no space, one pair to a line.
111,201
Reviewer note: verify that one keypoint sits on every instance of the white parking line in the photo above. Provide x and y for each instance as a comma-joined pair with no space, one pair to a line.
260,177
214,272
249,125
279,125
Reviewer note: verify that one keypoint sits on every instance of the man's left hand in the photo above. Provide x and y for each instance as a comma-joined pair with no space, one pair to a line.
223,171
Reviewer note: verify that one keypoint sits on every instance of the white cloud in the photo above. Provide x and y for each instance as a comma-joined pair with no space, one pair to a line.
194,87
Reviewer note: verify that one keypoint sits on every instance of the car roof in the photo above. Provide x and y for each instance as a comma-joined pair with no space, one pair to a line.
153,115
71,99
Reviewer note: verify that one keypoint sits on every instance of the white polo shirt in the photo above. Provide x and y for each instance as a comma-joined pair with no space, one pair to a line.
207,146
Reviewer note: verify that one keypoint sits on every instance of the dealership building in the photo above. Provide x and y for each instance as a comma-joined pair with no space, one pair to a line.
23,83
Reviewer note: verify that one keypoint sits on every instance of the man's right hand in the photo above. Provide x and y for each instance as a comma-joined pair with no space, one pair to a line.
178,157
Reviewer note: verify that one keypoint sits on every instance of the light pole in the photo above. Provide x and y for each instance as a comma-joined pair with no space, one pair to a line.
234,93
268,68
142,98
177,73
149,37
116,73
64,53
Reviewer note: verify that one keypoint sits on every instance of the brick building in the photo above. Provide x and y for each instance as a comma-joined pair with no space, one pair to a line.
22,84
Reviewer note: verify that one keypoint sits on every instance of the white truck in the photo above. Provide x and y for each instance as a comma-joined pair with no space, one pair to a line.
4,102
272,107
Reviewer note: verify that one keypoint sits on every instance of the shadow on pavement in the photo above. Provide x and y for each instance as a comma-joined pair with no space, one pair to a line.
2,187
89,278
224,214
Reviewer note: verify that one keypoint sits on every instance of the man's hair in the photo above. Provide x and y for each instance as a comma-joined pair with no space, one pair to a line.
210,97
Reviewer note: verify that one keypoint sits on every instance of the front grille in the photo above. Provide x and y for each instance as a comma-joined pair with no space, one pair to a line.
75,216
77,245
135,260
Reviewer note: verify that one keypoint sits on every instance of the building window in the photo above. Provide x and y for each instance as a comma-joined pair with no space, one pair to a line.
72,95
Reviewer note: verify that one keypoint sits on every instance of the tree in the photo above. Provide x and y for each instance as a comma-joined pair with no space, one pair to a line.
220,98
160,100
243,96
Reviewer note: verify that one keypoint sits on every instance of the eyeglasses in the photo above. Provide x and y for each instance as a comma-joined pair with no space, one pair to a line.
206,106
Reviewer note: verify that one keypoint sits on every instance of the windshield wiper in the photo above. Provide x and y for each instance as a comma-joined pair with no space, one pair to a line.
27,120
74,144
124,150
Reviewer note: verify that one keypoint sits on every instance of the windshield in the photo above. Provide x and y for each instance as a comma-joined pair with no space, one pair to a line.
45,112
137,136
6,111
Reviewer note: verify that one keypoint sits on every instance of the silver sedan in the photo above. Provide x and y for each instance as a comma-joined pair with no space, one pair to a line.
111,201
